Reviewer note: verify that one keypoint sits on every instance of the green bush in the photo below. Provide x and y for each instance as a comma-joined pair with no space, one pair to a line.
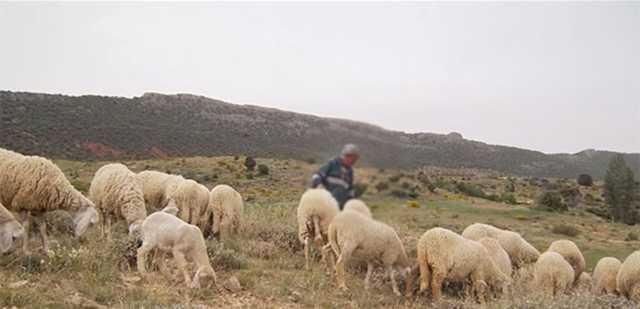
359,189
565,229
551,201
508,198
585,180
263,170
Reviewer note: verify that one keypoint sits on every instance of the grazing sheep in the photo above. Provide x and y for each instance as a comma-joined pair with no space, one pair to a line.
315,211
156,186
572,254
352,233
33,185
499,256
225,210
519,250
553,275
585,282
168,233
10,230
445,255
628,280
117,192
359,206
191,199
604,276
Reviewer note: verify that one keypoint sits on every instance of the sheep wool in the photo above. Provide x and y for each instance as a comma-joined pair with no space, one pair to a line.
191,199
572,254
553,275
10,229
352,233
226,206
499,256
628,280
314,213
156,186
117,192
520,251
359,206
35,185
445,255
604,276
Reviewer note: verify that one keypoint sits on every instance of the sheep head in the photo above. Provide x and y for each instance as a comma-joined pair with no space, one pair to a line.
204,272
135,226
85,217
10,231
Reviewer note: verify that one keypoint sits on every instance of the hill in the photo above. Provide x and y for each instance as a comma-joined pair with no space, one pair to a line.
158,126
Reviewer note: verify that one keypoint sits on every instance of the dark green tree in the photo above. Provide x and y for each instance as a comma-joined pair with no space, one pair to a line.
620,191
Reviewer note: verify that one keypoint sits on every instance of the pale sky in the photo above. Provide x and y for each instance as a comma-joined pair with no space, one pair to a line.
554,77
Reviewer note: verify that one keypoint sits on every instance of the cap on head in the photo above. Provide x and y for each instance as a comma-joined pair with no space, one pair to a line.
350,149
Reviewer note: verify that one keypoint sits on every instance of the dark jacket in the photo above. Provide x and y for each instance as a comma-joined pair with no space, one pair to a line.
337,179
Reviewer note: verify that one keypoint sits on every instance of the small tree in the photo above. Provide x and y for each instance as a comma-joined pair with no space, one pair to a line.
585,180
620,191
249,163
263,170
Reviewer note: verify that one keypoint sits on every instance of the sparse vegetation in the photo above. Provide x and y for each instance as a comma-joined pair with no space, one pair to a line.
565,229
551,201
263,170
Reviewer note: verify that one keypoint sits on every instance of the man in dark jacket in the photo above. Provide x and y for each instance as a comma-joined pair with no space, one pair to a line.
337,175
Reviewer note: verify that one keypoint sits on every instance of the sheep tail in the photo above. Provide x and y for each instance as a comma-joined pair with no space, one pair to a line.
425,271
333,239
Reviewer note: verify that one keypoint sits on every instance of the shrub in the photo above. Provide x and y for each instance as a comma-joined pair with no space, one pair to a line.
565,229
470,190
310,160
250,163
632,236
381,186
263,170
413,204
225,258
508,198
405,185
552,201
394,178
359,189
399,193
248,175
585,180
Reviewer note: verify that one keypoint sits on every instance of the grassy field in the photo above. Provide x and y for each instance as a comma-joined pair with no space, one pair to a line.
267,258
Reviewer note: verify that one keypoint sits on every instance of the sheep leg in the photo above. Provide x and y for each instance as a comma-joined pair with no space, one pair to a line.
425,274
108,223
316,229
26,224
345,255
392,275
331,260
306,253
436,285
182,265
43,235
142,256
368,276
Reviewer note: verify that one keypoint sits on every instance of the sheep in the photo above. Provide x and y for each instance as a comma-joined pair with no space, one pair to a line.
168,233
34,185
499,256
553,275
156,186
443,254
191,199
572,254
10,230
352,233
628,279
604,276
520,251
359,206
585,282
225,210
117,192
315,211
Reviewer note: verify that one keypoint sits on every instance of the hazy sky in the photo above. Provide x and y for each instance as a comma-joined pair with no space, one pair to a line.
557,77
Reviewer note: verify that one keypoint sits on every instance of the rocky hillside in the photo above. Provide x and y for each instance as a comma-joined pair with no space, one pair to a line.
156,125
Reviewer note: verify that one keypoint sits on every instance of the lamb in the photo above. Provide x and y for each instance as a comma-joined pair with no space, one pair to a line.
499,256
315,211
226,208
34,185
168,233
352,233
156,187
191,199
117,192
443,254
553,275
519,250
359,206
604,276
628,279
572,254
10,230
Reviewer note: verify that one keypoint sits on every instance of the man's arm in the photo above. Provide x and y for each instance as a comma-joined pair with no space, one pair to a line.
319,177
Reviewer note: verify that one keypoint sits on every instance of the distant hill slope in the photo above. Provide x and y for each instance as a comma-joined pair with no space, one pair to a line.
156,125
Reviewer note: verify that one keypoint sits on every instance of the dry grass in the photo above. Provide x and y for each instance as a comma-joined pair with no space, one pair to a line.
267,257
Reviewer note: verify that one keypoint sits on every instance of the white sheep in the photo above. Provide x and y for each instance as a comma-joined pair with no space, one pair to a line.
572,254
192,200
498,254
628,280
156,186
553,275
117,192
226,208
359,206
354,234
315,211
585,282
605,274
34,185
445,255
168,233
10,230
519,250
